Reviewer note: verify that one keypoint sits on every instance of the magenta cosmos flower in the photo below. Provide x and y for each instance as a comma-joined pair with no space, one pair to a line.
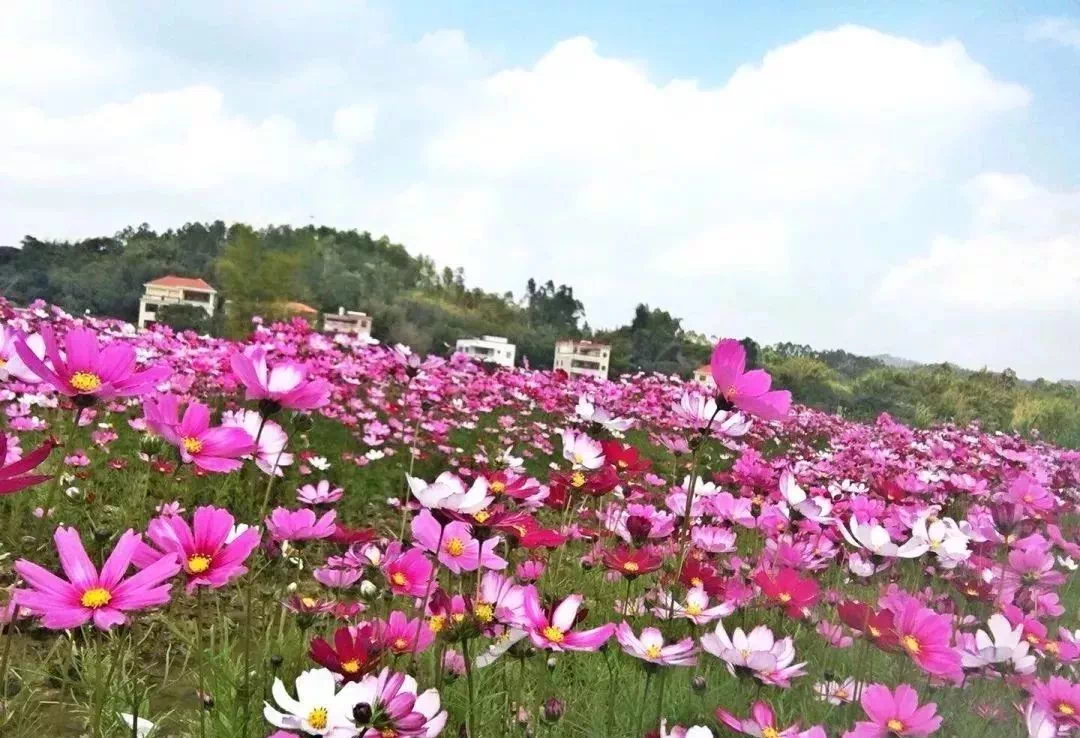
211,550
214,449
650,647
894,714
13,476
762,722
1060,699
926,636
300,525
748,391
86,372
86,595
454,544
286,385
407,572
553,628
319,494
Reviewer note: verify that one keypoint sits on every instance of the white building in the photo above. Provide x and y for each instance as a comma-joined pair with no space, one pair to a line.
495,349
173,290
347,321
703,374
583,358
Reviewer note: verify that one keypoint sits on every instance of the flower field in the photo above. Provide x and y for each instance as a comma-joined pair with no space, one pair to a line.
310,535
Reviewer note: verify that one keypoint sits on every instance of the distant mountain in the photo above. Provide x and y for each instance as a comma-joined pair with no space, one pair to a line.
895,361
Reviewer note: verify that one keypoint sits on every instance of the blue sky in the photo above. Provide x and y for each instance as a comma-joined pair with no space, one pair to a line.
899,178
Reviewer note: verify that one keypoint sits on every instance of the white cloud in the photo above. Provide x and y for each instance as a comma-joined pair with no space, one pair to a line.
355,122
1023,253
1061,30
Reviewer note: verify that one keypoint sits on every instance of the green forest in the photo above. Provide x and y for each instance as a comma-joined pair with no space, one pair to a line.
413,301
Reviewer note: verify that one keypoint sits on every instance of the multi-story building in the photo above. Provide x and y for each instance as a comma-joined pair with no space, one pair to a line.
173,290
495,349
583,358
347,321
703,374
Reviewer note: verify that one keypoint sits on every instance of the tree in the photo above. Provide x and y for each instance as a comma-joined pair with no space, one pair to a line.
184,318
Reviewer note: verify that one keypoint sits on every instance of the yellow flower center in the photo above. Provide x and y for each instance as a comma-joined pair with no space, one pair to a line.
198,563
1032,638
1052,647
622,464
388,733
457,617
436,623
96,597
696,582
498,487
318,718
770,732
351,666
1028,498
484,612
1066,709
308,602
784,597
894,725
578,458
85,381
841,694
875,632
455,547
577,479
192,445
631,566
3,362
911,644
400,644
653,651
693,609
399,579
482,516
553,634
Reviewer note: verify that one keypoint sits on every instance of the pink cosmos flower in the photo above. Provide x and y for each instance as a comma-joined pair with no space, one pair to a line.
650,647
87,372
13,476
300,525
10,363
762,722
499,599
211,550
407,572
319,494
212,449
926,636
286,385
759,654
454,544
1060,699
397,709
86,595
894,713
748,391
400,634
552,629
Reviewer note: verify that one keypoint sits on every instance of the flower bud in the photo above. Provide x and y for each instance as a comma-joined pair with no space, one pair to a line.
368,590
362,713
698,684
551,663
553,709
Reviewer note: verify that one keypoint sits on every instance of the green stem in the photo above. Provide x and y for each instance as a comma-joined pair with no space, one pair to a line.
471,716
9,639
644,701
200,660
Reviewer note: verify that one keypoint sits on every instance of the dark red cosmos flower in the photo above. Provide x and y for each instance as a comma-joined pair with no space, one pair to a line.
542,538
698,573
601,481
518,486
11,476
624,458
890,489
348,536
355,652
631,562
877,625
787,589
975,588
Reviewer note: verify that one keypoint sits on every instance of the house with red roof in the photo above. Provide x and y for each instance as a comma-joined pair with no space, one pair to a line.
174,290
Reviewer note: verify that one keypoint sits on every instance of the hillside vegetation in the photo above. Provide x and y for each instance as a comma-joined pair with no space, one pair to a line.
416,303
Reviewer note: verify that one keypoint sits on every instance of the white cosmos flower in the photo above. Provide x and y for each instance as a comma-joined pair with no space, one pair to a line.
942,536
448,492
587,410
582,451
319,709
1002,644
499,646
142,726
319,462
697,731
874,538
816,509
